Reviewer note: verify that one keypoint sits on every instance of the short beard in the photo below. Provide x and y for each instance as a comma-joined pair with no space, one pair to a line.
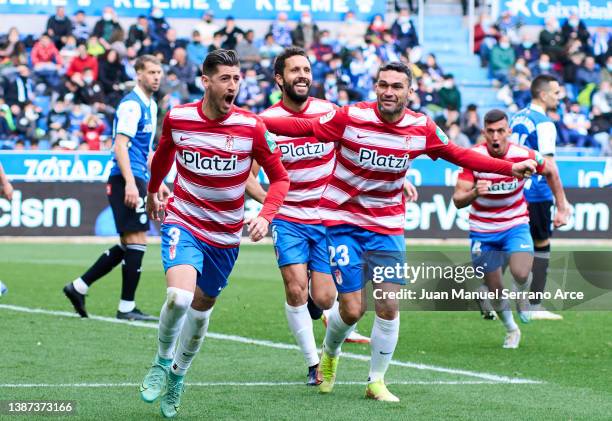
293,96
398,111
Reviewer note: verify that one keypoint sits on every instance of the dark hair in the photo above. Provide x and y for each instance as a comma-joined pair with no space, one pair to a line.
219,57
279,62
143,60
540,84
494,116
396,66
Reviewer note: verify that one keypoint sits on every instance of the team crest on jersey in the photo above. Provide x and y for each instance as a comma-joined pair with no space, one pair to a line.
324,119
172,252
229,142
270,140
338,276
441,135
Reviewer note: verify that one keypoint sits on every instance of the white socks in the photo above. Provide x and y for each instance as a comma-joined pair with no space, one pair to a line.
80,286
300,325
126,306
171,319
192,335
383,342
337,331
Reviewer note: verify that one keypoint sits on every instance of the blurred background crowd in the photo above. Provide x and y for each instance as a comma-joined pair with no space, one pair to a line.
59,88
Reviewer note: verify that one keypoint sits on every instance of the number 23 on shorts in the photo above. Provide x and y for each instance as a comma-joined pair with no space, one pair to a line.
339,255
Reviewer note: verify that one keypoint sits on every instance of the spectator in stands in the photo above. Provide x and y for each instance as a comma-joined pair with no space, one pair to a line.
80,28
449,94
602,98
306,32
251,95
587,74
138,32
428,96
185,70
387,50
281,30
502,60
458,138
431,67
207,28
376,29
81,62
551,39
58,122
509,25
217,42
47,61
601,129
104,28
577,127
70,49
112,77
527,49
322,47
575,28
169,44
229,32
85,88
606,70
404,32
173,90
269,50
59,27
485,37
570,68
196,50
13,49
247,52
158,26
92,129
448,117
350,32
19,89
602,44
470,123
94,46
330,87
543,67
360,72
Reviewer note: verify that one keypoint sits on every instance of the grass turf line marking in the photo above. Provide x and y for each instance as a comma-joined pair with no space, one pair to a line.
279,345
243,384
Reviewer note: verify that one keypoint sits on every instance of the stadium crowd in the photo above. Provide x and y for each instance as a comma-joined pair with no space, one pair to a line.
578,56
59,90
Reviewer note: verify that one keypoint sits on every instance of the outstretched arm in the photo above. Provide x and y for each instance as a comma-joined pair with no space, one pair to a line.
292,127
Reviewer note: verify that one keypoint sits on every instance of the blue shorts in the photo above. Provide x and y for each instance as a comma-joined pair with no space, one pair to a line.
491,250
355,253
300,243
214,264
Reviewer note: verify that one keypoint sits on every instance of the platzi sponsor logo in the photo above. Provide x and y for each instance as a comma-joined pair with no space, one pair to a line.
34,213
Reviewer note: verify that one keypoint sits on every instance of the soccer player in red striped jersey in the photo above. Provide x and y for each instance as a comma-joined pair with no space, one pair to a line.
213,143
363,209
499,219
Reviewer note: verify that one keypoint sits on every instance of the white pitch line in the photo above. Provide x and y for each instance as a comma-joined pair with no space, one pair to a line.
279,345
241,384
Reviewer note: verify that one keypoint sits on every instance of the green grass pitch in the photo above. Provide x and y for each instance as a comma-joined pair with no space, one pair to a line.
244,371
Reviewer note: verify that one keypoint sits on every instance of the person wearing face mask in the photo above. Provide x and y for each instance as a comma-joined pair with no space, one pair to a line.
207,28
404,32
158,25
550,39
138,32
106,27
449,94
502,60
575,27
350,32
306,32
543,67
527,49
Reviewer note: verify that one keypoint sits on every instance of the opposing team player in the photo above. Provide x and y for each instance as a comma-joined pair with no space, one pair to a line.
297,231
363,207
499,220
213,143
531,127
133,134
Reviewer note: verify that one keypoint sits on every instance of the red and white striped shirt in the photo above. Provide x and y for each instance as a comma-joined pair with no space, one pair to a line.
372,157
308,162
213,160
504,206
